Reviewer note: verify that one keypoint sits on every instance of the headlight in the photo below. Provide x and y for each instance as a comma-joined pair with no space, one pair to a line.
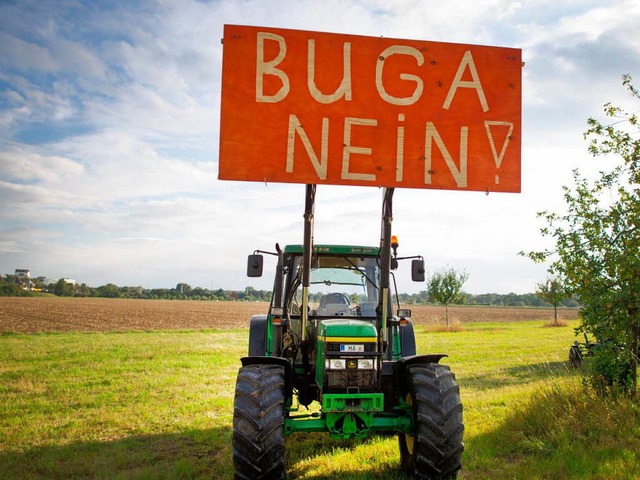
366,364
335,364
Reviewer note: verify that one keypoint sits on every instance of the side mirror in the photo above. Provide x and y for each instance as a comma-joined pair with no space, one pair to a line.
254,266
417,270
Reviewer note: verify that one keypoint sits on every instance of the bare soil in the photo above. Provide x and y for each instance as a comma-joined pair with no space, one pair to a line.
53,314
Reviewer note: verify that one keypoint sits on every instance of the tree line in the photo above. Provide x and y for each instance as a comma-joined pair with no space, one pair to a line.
489,299
183,291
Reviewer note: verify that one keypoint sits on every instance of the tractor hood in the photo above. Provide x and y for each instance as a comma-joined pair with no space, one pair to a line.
333,328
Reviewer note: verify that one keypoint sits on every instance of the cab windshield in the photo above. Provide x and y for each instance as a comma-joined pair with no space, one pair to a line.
340,286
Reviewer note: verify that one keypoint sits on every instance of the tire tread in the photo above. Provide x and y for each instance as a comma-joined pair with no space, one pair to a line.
258,423
438,419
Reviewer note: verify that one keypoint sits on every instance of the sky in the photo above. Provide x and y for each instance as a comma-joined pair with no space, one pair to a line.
109,137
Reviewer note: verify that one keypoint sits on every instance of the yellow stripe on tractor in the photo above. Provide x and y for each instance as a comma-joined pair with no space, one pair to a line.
348,339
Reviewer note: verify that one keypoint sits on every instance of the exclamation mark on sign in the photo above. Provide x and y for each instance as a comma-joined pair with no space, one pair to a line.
400,149
498,157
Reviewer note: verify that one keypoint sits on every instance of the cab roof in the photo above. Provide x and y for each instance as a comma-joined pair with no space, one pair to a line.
335,250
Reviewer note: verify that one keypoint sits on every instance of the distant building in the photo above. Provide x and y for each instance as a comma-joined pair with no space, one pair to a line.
23,278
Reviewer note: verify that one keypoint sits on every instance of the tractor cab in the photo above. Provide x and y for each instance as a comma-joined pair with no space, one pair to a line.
343,284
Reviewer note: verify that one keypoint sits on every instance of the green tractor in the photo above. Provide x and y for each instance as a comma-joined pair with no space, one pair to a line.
331,337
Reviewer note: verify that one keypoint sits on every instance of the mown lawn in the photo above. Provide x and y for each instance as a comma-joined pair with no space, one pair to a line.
159,405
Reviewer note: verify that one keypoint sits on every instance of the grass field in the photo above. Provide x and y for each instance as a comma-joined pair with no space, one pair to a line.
158,404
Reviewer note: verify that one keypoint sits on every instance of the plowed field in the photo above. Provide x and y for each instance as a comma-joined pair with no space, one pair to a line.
52,314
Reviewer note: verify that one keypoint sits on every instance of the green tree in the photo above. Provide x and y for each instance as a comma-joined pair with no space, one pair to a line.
64,288
250,294
445,287
84,290
109,290
37,284
597,251
9,287
552,291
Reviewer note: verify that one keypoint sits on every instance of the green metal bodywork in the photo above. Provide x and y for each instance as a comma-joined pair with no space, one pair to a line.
346,328
352,416
269,340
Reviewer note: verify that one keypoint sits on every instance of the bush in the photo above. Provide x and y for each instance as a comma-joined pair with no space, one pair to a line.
13,290
610,371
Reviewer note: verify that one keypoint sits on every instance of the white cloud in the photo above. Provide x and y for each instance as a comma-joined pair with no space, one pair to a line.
26,164
20,197
122,188
11,246
23,55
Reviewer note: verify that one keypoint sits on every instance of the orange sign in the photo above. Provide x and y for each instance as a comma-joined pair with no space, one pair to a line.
324,108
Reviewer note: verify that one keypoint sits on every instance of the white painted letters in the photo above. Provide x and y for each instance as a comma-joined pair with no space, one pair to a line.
498,157
344,90
269,68
348,149
467,61
304,85
320,165
459,174
399,50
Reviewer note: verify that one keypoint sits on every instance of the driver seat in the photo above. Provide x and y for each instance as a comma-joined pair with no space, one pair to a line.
333,304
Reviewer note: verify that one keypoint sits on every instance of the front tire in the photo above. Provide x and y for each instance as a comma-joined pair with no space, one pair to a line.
258,423
434,451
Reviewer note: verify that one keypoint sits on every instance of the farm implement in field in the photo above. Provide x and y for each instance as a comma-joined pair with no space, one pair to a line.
579,350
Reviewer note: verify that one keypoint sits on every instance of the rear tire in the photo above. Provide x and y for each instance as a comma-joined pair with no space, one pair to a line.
434,451
258,423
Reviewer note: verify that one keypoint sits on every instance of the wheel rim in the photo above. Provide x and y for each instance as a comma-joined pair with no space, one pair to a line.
409,439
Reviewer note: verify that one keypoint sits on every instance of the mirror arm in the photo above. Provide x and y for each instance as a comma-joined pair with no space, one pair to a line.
409,258
256,252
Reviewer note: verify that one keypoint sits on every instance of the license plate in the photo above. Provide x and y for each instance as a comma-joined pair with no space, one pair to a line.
351,348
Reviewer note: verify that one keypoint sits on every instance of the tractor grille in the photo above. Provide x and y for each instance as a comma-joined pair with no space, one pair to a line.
352,364
343,379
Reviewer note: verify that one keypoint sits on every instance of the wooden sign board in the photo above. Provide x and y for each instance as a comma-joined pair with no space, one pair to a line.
324,108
